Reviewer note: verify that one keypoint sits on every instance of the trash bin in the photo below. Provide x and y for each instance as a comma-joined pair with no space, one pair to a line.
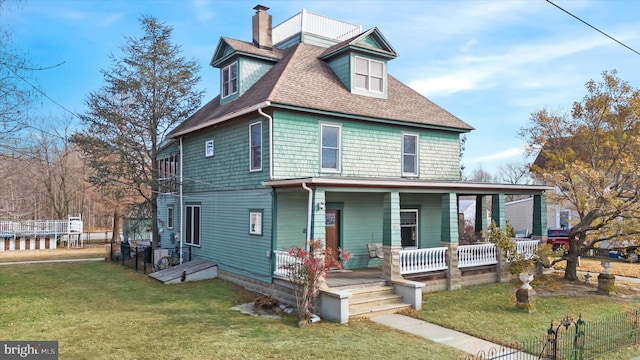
147,254
125,250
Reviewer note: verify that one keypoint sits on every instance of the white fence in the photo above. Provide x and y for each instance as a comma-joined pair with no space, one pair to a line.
528,247
423,260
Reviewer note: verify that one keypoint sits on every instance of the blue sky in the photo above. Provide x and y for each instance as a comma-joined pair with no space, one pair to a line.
491,63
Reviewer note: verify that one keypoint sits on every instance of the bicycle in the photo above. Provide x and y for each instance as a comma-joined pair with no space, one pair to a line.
168,261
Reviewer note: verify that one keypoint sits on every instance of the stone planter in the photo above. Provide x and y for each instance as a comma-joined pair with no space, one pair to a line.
526,278
526,295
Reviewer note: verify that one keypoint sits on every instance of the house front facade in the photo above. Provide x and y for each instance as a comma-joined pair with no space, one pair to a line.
311,138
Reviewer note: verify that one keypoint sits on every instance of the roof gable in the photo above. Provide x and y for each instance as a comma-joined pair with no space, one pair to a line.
228,48
371,41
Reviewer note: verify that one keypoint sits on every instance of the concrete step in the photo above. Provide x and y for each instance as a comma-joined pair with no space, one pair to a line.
373,301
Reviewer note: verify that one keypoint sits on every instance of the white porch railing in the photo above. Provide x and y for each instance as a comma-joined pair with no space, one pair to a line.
423,260
528,247
477,255
285,263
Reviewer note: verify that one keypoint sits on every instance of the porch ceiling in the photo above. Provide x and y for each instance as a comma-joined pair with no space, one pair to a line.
459,187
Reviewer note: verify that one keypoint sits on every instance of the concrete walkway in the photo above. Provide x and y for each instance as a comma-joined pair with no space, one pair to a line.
458,340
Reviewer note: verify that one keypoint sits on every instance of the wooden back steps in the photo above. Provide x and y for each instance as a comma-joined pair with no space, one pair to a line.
189,271
374,301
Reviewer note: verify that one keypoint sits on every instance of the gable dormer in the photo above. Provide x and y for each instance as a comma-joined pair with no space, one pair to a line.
361,63
243,63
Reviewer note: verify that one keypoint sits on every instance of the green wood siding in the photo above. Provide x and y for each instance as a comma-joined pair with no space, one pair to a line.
250,71
291,219
228,169
165,201
341,67
370,41
225,236
367,149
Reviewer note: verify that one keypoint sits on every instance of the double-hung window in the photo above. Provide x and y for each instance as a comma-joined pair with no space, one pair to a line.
369,74
255,146
230,80
409,155
192,225
330,152
170,217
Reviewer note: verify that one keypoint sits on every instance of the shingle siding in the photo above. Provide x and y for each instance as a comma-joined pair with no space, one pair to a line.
250,71
367,149
341,68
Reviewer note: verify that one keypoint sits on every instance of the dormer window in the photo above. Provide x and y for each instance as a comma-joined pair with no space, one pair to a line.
369,74
229,80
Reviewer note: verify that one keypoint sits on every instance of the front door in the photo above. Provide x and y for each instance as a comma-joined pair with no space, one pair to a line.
332,230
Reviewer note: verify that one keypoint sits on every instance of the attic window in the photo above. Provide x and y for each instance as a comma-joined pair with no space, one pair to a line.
369,74
230,80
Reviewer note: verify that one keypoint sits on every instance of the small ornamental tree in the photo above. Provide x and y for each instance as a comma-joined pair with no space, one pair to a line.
308,272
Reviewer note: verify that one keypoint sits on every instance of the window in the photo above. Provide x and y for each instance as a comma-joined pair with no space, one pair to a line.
409,155
330,147
255,146
255,222
230,80
369,74
192,225
167,174
170,217
409,228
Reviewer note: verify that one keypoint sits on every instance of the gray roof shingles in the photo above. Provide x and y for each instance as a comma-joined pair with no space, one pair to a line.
300,79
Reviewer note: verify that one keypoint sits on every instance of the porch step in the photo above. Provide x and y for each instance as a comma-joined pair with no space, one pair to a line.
374,301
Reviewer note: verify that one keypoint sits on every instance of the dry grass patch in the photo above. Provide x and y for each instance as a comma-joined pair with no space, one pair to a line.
89,251
593,266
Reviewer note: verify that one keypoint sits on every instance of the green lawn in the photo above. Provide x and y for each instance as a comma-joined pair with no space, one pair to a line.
102,311
490,313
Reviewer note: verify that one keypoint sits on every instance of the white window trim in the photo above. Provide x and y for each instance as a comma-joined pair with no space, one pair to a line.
251,169
339,148
187,224
417,245
417,155
209,149
255,214
222,79
369,76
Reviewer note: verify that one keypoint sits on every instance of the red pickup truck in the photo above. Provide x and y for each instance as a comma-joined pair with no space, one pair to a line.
557,238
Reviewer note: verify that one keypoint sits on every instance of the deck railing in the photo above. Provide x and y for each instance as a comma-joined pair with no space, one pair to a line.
34,227
285,264
423,260
477,255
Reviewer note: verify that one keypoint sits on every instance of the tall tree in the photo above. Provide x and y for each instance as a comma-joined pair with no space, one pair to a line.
592,156
147,91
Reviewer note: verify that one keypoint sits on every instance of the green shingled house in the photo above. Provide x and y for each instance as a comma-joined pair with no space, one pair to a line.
311,138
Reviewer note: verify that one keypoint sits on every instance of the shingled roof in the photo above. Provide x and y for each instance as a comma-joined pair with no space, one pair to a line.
301,80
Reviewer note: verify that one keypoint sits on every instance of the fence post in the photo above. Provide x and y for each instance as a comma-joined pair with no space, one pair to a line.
578,341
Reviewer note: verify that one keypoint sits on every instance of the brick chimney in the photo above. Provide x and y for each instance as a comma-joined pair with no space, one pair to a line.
262,27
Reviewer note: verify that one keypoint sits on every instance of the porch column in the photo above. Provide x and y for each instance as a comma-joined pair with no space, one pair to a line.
539,218
318,219
481,216
498,214
449,238
391,240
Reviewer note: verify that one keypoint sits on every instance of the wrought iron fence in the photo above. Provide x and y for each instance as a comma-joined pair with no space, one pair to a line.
138,258
575,340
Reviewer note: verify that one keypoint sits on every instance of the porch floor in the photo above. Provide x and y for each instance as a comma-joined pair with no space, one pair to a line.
356,278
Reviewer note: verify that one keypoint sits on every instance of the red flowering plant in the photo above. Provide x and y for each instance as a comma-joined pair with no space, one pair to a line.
307,272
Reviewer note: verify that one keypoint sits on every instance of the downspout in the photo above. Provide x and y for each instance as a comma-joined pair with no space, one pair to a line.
309,215
181,201
270,139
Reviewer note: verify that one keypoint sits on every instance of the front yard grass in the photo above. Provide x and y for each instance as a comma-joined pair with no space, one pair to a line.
97,310
489,311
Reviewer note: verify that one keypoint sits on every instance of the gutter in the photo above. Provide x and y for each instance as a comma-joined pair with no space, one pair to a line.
309,215
226,117
181,200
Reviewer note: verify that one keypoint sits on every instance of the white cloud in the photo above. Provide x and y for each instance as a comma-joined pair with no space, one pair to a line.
203,10
502,155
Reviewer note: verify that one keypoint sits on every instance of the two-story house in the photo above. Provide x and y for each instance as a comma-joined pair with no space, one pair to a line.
312,138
